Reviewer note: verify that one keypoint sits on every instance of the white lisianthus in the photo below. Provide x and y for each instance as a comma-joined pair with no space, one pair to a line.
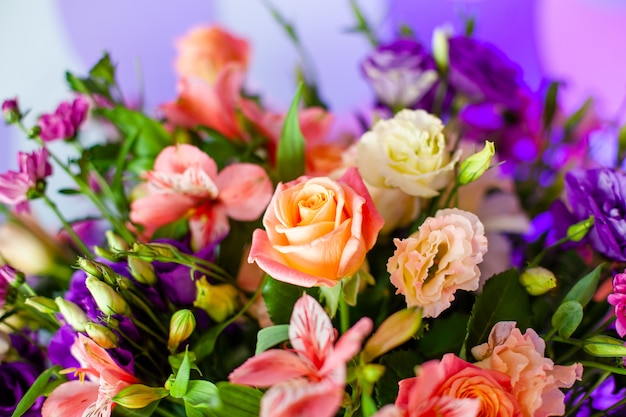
408,152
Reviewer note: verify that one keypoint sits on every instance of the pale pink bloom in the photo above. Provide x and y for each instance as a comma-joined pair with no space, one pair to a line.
185,184
452,387
17,187
65,121
308,380
92,397
439,259
618,300
317,231
213,106
205,51
535,379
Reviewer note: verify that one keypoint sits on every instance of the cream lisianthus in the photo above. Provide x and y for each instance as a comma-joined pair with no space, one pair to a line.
408,152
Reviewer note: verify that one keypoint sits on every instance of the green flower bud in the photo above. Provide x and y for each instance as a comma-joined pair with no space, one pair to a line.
182,325
219,301
108,301
394,331
103,336
116,243
475,165
104,253
73,314
603,346
537,280
371,372
142,271
139,396
578,231
42,304
441,49
150,251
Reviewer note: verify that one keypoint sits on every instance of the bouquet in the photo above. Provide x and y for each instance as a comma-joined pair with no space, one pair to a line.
459,252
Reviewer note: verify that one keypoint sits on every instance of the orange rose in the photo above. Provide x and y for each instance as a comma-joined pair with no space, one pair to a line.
205,51
317,231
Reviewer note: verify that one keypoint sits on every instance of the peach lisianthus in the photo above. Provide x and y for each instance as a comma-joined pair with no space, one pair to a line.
185,183
205,51
535,379
439,259
317,231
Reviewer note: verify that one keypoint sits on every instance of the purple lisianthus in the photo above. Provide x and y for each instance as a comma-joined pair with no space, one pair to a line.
17,187
482,73
600,192
400,73
65,121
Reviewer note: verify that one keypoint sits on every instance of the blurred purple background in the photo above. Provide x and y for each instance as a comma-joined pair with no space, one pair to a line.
576,41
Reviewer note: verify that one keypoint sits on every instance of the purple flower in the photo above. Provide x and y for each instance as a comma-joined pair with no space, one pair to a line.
17,377
17,187
400,72
600,192
7,277
11,110
482,73
65,121
618,300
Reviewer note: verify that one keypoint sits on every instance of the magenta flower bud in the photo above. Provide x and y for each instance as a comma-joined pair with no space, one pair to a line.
65,121
11,111
17,187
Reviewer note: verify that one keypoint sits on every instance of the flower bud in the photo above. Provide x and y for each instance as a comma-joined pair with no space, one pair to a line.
42,304
150,251
537,280
182,325
11,111
394,331
578,231
219,301
371,372
475,165
139,396
108,301
116,243
142,271
441,49
103,336
73,314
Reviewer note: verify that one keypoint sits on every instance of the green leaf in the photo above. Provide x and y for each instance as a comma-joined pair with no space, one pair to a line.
444,335
567,317
398,365
151,135
331,298
120,411
350,288
280,298
503,299
35,391
202,399
69,191
290,153
181,382
104,70
238,400
87,86
604,347
574,120
585,288
221,149
550,105
271,336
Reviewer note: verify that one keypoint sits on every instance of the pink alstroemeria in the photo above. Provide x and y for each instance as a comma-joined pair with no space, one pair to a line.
65,121
618,300
213,106
309,380
93,397
17,187
185,183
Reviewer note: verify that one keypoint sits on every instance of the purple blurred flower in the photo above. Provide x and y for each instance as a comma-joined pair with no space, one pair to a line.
59,348
65,121
482,72
7,276
400,73
600,192
11,110
618,300
17,187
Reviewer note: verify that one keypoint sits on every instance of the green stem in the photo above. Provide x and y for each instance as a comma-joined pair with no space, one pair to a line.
344,314
164,413
363,26
68,228
588,393
604,367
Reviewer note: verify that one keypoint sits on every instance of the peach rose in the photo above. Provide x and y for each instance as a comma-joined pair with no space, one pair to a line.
205,51
535,379
317,231
454,387
440,258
